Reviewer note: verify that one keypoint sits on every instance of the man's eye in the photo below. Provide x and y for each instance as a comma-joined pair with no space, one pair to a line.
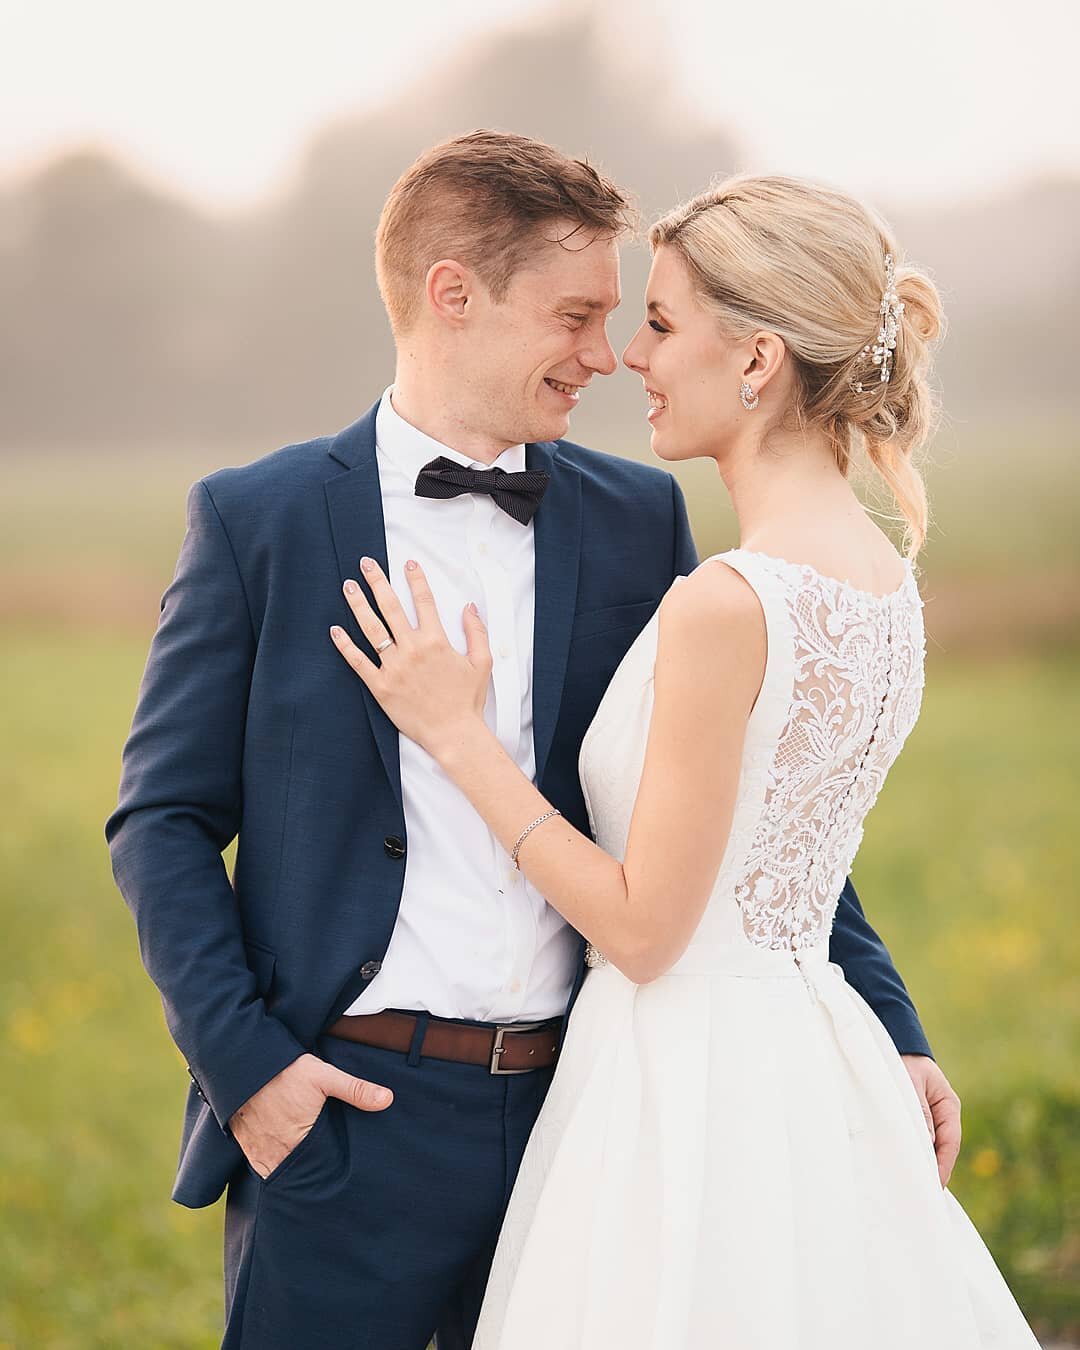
658,327
578,318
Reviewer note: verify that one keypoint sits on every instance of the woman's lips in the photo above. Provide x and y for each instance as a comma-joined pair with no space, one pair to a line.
657,405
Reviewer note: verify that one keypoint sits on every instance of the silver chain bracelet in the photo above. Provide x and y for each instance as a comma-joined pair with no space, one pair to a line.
528,830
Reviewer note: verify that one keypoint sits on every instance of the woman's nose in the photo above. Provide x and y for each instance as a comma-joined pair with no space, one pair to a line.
633,354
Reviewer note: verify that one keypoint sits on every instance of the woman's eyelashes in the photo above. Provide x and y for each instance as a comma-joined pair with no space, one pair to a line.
658,327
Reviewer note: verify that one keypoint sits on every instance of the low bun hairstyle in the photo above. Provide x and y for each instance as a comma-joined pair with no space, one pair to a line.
807,263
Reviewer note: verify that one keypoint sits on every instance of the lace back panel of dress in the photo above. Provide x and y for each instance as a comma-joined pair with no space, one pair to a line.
858,678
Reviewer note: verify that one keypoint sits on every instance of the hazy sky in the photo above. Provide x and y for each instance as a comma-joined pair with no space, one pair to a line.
926,98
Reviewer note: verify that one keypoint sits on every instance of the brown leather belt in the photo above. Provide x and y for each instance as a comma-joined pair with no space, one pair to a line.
515,1048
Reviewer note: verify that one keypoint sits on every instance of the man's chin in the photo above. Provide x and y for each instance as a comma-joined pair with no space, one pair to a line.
551,428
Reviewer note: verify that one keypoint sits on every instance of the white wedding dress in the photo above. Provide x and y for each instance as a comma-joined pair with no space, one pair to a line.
733,1156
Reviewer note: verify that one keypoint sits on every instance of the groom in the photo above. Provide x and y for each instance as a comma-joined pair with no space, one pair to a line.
371,1010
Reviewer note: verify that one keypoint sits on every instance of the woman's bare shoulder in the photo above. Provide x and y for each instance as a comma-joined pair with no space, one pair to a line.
714,595
713,620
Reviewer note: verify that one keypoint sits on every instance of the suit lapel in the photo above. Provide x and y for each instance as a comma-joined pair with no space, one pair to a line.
557,541
354,500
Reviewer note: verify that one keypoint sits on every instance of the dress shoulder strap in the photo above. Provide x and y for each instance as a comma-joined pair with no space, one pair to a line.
773,705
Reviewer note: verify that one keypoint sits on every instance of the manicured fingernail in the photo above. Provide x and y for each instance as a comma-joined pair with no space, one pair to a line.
410,566
472,606
337,633
368,564
351,587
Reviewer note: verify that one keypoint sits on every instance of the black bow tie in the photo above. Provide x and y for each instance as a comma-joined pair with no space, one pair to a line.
518,494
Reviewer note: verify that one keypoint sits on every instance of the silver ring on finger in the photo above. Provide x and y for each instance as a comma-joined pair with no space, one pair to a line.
389,642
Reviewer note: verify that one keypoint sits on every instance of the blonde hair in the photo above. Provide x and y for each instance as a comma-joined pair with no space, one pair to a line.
481,199
807,263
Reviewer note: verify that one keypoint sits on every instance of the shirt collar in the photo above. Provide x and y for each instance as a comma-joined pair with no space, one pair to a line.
409,449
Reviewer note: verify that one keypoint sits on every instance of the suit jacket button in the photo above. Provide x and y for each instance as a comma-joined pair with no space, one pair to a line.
394,846
370,969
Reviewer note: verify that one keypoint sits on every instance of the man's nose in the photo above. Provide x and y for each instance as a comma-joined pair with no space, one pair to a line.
600,356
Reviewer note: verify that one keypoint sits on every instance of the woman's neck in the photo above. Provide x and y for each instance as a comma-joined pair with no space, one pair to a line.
787,487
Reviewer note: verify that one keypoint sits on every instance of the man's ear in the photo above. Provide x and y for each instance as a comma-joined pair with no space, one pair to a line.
448,288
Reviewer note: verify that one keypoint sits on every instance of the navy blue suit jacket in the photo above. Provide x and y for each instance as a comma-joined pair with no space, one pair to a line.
249,723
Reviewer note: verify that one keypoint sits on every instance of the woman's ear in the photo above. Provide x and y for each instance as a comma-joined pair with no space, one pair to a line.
448,288
765,358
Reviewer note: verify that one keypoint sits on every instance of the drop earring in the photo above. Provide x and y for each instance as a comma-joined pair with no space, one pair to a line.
750,400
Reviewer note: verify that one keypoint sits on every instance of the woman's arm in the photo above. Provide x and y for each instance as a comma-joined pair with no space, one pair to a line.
710,659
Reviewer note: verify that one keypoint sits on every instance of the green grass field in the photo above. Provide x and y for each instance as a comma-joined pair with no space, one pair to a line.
969,869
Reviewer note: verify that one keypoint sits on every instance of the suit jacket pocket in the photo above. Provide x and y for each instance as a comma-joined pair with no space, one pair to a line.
597,621
261,962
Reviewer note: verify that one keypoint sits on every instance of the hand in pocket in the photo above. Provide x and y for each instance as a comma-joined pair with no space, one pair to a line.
275,1121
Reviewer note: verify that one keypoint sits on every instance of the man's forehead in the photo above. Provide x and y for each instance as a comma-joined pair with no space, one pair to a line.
590,302
584,277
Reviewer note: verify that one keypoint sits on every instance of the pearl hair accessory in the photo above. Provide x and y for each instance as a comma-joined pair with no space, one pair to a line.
891,309
750,400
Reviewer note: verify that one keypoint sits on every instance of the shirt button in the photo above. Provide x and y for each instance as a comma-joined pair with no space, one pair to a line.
481,547
504,652
370,969
515,986
394,846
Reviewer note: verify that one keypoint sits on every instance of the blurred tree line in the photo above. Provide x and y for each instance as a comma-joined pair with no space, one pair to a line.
132,319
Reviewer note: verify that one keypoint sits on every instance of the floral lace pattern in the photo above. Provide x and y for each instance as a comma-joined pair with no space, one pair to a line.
856,690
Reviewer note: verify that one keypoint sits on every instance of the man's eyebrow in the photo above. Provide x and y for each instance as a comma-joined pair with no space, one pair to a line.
583,302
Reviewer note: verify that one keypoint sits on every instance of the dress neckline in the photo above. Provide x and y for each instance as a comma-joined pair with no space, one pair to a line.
804,570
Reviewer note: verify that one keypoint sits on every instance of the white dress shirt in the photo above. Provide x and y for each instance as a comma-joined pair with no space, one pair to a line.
473,938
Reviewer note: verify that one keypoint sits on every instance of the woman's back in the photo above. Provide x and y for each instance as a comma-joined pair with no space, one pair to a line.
840,694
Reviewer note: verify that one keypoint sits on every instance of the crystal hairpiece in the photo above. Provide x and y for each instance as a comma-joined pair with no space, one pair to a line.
891,309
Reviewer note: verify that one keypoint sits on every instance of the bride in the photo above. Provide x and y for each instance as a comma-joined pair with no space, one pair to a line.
732,1152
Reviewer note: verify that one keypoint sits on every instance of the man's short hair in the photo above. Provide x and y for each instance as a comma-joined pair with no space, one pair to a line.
481,199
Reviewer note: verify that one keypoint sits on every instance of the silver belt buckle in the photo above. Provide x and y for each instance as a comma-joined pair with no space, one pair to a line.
498,1049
